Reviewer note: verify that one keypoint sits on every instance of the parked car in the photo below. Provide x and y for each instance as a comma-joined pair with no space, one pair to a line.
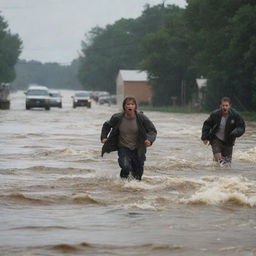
37,97
97,94
107,99
55,99
82,98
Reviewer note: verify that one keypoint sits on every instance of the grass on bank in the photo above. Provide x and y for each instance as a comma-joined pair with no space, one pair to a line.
172,109
248,116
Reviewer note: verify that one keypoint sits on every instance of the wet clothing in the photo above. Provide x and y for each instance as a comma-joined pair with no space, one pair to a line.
121,138
146,130
130,163
235,127
218,146
222,132
128,133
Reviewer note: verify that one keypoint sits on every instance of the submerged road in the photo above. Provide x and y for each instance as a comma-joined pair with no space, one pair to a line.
59,197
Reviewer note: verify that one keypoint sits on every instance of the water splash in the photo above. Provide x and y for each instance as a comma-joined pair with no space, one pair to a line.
220,190
85,198
246,156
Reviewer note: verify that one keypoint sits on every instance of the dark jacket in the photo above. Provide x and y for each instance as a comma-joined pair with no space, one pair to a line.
146,130
235,126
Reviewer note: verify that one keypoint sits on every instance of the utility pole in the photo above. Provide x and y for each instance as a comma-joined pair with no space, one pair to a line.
183,93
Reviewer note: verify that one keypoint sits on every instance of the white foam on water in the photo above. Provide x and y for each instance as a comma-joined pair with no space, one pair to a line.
246,156
142,206
138,185
167,180
71,151
171,163
219,190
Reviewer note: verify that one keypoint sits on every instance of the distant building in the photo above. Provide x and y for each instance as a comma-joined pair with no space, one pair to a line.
199,93
133,83
201,85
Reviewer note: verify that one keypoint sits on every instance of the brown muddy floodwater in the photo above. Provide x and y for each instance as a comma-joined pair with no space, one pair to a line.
59,197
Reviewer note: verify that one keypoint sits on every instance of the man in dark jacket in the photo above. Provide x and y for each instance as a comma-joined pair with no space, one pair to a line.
130,133
221,129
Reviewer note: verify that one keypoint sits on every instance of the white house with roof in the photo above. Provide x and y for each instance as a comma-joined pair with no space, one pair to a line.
201,85
133,83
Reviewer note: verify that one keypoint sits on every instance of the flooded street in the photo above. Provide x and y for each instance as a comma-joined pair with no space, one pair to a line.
59,197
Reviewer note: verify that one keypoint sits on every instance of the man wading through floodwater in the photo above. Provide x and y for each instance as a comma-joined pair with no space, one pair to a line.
130,133
221,129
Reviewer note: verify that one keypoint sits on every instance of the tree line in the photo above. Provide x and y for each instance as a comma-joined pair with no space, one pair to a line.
52,75
10,49
211,38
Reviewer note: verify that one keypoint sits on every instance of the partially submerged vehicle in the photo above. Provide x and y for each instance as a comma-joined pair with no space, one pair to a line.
97,94
55,99
82,98
37,97
4,96
107,99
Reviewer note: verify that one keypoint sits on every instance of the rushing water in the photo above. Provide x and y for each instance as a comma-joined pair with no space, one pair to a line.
59,197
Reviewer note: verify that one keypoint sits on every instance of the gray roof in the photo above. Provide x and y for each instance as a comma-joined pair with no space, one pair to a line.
134,75
201,82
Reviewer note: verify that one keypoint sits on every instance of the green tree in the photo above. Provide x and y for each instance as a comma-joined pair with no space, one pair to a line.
118,46
243,55
52,75
166,57
221,33
105,52
10,49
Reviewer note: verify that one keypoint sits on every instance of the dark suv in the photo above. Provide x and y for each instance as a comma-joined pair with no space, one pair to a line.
82,98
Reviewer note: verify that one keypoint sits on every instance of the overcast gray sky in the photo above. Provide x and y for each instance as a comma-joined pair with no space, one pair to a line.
52,30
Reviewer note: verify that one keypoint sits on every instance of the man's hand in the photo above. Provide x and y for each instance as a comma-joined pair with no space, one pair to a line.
104,140
206,142
148,143
233,133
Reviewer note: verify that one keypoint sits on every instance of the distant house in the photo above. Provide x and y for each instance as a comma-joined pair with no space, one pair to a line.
133,83
201,85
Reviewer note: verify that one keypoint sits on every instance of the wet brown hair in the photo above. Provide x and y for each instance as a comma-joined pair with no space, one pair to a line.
127,99
226,99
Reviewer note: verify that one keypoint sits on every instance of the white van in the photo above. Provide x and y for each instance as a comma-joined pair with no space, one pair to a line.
37,97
